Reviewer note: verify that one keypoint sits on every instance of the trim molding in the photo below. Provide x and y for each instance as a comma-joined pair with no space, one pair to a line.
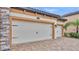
30,20
10,19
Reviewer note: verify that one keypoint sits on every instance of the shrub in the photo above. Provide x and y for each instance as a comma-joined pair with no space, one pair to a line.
66,34
72,34
76,35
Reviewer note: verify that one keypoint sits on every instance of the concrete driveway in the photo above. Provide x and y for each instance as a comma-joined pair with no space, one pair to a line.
64,44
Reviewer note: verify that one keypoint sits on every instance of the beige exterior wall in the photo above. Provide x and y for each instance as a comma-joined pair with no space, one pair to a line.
60,22
24,13
32,14
70,19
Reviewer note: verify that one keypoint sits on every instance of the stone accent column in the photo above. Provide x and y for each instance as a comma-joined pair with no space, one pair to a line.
4,28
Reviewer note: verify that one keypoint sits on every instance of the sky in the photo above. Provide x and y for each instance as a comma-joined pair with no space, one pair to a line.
58,10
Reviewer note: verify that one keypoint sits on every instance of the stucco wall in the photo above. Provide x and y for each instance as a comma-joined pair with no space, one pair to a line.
31,13
70,19
26,14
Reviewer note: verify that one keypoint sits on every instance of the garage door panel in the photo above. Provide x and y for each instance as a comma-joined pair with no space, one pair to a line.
30,31
58,32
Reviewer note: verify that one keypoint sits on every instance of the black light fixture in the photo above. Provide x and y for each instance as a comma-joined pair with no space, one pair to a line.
38,17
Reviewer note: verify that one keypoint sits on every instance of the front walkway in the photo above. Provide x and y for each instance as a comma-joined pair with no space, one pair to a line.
64,44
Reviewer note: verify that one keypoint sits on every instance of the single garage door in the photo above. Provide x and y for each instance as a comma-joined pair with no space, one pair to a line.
58,31
23,32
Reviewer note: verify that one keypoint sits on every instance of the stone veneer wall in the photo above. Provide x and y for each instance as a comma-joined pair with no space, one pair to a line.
4,28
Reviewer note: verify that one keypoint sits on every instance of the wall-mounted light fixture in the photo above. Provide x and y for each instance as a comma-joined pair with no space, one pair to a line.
38,17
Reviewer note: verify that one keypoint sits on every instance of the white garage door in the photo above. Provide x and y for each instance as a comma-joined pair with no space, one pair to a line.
58,31
29,31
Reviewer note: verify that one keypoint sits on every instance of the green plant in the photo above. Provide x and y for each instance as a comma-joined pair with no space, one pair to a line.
74,23
74,35
71,34
66,34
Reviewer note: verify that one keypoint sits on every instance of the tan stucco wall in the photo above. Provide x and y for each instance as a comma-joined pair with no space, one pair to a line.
43,17
61,22
32,14
70,19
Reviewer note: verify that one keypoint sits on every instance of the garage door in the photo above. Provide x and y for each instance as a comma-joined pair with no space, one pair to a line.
58,32
23,32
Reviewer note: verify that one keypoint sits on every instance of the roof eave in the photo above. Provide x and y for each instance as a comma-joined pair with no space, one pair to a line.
38,11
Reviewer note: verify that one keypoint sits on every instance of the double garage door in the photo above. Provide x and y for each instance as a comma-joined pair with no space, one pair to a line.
23,31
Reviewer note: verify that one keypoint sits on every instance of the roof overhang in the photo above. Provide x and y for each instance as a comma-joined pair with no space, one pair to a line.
37,11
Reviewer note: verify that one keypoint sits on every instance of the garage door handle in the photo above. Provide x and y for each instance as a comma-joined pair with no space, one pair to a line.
36,32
